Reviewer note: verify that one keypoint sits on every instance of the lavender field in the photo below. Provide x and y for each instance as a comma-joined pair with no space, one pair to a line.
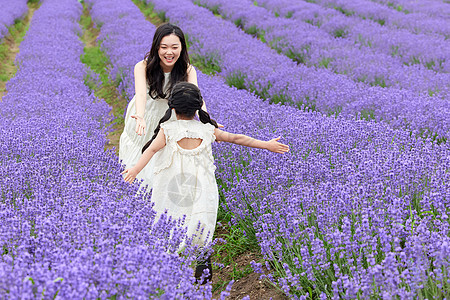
358,209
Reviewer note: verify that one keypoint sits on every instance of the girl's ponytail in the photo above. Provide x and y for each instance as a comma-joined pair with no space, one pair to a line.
165,118
205,118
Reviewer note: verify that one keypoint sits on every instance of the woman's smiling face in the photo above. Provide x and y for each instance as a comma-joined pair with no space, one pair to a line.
169,52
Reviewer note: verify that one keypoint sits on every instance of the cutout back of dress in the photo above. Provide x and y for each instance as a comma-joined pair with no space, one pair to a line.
189,143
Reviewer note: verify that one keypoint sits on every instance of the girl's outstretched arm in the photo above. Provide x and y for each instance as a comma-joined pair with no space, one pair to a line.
155,146
243,140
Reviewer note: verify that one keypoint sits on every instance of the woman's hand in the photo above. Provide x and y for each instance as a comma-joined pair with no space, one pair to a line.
131,175
277,147
140,124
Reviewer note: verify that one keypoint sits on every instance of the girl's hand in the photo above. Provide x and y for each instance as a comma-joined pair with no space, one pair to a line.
277,147
140,124
131,175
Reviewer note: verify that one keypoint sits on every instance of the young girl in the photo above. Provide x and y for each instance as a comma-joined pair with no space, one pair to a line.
166,64
183,173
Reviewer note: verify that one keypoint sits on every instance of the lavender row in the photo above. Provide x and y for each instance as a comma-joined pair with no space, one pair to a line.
219,43
331,215
69,226
10,13
432,8
338,173
413,22
407,47
309,45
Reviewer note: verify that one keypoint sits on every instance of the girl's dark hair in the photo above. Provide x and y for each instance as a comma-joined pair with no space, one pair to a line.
153,71
186,99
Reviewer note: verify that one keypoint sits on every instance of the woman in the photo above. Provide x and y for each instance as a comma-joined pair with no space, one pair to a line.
166,64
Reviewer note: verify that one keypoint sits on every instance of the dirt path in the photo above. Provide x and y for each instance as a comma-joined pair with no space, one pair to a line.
236,256
10,47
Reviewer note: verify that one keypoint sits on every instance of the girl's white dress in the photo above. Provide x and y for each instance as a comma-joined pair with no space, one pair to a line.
130,143
183,180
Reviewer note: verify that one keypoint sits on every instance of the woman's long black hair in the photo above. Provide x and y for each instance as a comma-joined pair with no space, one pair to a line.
186,99
153,71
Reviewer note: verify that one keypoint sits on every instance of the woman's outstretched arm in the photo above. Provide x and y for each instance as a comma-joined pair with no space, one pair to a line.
140,86
243,140
155,146
192,78
192,75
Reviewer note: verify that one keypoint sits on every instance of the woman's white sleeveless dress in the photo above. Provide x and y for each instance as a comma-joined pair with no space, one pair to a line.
130,144
184,183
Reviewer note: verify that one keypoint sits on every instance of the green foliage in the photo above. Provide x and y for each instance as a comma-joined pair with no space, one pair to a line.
90,81
415,60
379,81
430,65
86,21
363,41
4,77
96,60
226,253
237,80
335,112
432,92
289,14
298,57
237,244
215,10
18,30
256,32
253,30
148,10
207,64
3,51
394,51
306,105
324,62
344,11
259,90
162,16
281,98
340,33
367,114
380,21
238,23
309,21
